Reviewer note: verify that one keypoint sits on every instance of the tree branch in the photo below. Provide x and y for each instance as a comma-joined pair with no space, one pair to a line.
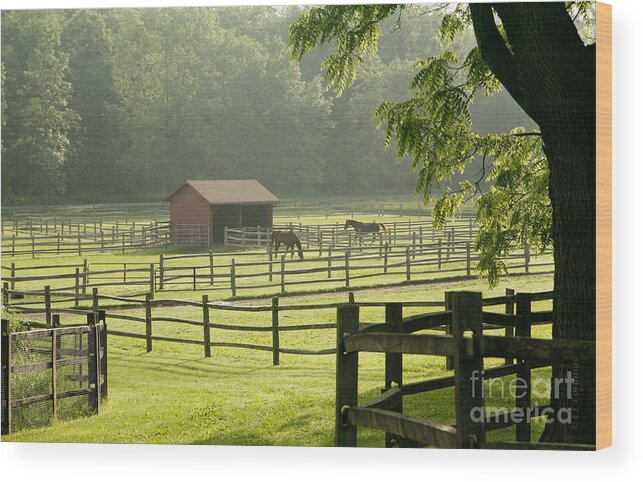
495,53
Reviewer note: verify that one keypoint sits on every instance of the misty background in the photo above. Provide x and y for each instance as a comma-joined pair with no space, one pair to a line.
124,104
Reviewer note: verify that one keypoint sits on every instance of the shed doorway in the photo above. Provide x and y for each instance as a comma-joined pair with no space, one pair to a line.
223,216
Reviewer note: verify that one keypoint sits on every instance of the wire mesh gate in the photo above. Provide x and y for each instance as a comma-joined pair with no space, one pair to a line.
52,374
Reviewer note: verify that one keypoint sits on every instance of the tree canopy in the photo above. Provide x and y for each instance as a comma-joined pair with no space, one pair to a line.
507,171
137,100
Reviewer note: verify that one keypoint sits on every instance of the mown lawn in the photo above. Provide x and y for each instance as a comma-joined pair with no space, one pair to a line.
236,397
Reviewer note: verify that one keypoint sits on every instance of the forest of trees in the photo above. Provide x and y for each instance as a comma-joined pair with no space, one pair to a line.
122,105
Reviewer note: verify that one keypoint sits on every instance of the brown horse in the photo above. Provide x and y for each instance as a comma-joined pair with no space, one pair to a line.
364,228
289,239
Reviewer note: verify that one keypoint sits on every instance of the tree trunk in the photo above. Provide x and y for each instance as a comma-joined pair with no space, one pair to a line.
572,191
552,75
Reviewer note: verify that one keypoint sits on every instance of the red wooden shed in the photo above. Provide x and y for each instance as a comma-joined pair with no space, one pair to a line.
212,205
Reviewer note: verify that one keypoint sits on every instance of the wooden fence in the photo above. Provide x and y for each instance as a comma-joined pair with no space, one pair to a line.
351,207
53,372
398,336
207,321
220,272
154,315
16,216
334,236
86,238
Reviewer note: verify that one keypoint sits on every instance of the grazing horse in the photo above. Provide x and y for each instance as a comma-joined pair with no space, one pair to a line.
364,228
289,239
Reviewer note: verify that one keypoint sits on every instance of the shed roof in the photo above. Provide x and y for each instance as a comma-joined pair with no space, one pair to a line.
230,191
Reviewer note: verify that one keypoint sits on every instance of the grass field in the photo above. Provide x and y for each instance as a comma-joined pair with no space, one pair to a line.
175,395
237,397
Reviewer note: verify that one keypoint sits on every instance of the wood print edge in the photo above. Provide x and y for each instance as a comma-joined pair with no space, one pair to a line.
603,225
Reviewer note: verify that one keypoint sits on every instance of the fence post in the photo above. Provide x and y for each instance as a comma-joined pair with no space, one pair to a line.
523,374
152,281
448,328
414,245
5,294
386,249
527,258
439,254
408,264
468,258
225,237
93,380
469,400
509,310
123,242
95,301
330,262
148,322
54,374
283,273
102,318
33,247
76,286
78,240
393,367
194,278
233,278
453,248
5,350
48,305
55,355
211,269
346,375
161,269
347,268
206,326
13,275
275,330
85,276
95,333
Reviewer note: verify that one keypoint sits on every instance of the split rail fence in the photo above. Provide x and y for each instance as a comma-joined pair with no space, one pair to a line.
155,313
342,267
464,314
353,207
334,236
85,238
